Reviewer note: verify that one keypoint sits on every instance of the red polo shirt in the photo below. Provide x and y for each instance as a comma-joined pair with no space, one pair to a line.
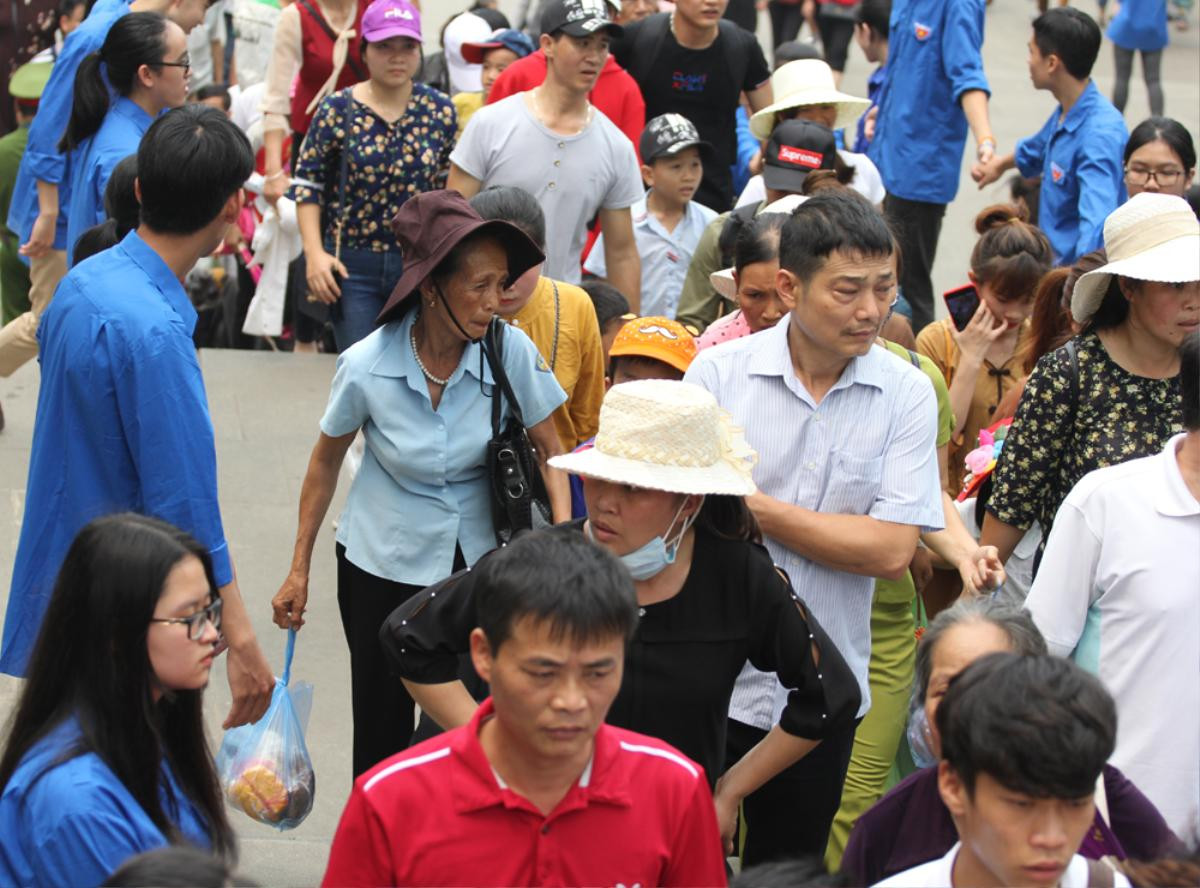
437,814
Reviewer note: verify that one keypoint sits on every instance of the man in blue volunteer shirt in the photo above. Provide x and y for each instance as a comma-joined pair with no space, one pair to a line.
1078,153
122,418
36,214
934,89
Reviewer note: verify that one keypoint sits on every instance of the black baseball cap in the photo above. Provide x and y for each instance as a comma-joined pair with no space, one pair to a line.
669,134
795,149
579,18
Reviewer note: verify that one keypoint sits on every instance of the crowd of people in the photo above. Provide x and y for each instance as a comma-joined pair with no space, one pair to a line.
684,543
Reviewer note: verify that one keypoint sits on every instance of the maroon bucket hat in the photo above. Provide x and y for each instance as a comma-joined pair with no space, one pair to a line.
432,224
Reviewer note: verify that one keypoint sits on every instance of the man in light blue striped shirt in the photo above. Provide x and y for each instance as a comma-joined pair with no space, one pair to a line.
847,475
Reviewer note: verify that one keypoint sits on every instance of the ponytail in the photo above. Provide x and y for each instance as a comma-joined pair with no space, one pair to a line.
135,39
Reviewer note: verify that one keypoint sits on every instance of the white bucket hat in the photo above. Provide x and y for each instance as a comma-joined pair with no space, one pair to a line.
1151,237
661,434
806,82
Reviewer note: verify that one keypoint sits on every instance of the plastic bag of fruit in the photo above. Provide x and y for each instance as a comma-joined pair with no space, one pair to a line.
265,768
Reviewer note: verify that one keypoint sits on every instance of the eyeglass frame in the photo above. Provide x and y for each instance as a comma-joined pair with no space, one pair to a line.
210,613
1175,175
186,65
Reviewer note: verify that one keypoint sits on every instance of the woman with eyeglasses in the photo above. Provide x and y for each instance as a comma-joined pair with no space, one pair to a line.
106,755
145,61
1160,157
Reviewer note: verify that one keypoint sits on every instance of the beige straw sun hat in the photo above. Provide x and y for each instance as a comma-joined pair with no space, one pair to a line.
1151,237
801,83
661,434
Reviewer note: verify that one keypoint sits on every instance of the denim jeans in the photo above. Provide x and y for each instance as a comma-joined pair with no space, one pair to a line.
373,276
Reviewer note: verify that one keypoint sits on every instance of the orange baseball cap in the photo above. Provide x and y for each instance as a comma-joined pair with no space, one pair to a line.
656,337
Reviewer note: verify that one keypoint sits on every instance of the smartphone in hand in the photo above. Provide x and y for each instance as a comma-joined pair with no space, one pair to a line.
962,303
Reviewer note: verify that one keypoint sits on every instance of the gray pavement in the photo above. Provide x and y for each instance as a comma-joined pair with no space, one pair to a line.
265,409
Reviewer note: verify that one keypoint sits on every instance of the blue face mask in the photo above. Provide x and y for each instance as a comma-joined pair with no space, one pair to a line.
653,558
920,740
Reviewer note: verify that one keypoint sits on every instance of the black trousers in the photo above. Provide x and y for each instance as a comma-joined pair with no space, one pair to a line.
790,816
836,33
743,14
786,19
917,226
382,708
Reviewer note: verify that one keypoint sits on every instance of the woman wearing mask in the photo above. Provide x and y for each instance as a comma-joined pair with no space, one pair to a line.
369,148
106,756
751,281
1111,394
664,487
145,62
980,361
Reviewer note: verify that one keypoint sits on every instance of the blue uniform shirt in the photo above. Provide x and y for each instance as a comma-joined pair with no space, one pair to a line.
1083,176
874,87
73,823
933,58
42,160
122,425
423,484
93,162
1140,24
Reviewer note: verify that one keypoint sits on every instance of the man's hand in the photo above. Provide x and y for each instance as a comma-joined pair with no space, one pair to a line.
41,240
251,683
982,570
727,816
290,602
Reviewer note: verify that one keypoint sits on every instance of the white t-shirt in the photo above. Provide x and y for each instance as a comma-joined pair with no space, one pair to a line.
253,38
866,181
199,45
572,177
1119,591
939,874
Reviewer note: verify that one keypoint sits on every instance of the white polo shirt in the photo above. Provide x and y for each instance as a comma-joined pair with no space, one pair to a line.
939,874
1119,591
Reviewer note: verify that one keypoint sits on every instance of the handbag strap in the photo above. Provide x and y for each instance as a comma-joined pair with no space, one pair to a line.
344,173
287,657
554,348
493,352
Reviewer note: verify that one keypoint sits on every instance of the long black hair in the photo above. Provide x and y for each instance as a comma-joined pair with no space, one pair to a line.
135,39
91,662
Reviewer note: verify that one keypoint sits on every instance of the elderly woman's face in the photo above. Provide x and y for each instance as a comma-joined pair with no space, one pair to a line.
958,648
474,290
1168,312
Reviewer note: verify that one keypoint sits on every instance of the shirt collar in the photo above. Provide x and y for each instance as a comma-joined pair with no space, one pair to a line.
396,357
1082,108
1173,498
773,358
160,274
130,109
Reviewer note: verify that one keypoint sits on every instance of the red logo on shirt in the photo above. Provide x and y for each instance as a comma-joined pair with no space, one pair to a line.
922,31
1056,172
801,157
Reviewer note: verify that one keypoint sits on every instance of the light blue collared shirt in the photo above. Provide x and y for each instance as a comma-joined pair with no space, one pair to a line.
1080,160
868,448
665,255
423,484
93,162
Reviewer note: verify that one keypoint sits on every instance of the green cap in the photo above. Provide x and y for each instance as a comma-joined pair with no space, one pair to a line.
29,80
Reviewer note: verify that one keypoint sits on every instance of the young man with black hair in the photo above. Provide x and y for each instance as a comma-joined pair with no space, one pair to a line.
847,474
1024,739
1118,590
551,142
122,417
536,789
1078,152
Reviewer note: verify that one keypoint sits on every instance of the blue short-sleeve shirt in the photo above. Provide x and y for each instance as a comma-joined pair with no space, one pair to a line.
1141,25
73,823
423,485
934,56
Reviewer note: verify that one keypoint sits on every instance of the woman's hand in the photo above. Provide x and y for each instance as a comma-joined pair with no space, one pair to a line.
290,602
982,571
977,337
320,270
41,239
275,188
727,815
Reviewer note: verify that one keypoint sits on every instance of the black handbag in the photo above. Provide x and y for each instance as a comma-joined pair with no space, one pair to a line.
519,497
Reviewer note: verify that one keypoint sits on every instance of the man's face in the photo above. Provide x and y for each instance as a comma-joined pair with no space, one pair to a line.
551,694
1013,838
840,310
576,61
701,13
636,10
1040,66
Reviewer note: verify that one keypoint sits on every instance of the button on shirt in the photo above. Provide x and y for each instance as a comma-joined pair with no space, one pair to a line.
42,160
1083,176
665,255
93,162
868,448
423,484
933,58
438,814
73,823
122,424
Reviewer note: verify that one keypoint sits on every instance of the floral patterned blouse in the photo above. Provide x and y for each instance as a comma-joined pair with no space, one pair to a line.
388,163
1118,417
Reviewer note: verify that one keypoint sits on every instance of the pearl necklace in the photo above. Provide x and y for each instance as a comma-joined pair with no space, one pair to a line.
436,380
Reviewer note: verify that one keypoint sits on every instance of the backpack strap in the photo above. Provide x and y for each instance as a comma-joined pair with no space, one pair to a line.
912,356
648,45
732,41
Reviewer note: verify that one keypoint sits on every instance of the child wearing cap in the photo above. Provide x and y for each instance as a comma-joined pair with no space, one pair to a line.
495,54
666,222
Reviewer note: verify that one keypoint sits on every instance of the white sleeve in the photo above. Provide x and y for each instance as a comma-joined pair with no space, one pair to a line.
1065,585
595,260
471,153
627,188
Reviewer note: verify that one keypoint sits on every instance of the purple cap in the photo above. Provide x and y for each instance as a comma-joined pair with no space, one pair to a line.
385,19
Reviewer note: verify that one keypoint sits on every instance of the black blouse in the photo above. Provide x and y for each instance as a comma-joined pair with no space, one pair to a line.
685,656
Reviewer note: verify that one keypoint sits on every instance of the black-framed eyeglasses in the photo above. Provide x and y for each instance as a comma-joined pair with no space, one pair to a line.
1140,176
197,622
185,63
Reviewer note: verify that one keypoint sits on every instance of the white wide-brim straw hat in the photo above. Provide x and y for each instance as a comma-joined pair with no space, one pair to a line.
806,82
660,434
722,281
1151,237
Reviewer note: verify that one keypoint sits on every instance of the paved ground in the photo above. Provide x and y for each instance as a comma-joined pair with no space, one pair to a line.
265,408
